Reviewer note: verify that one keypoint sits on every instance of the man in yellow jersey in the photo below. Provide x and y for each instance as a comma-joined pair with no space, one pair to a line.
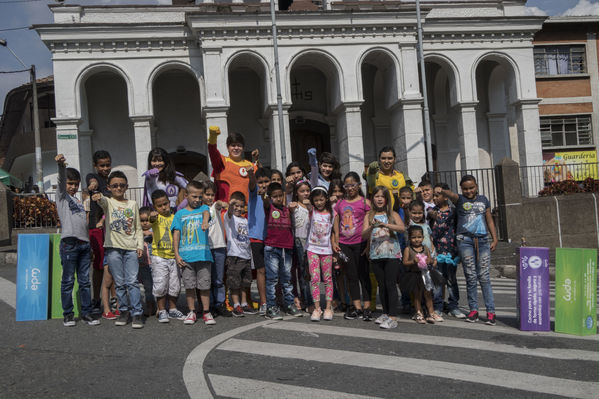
382,173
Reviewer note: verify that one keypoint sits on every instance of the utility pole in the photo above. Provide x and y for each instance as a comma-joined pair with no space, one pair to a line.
427,122
278,82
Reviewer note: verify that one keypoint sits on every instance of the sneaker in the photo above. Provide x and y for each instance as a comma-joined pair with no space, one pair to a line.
90,321
176,314
109,316
263,309
208,319
248,309
190,318
328,315
163,316
221,310
367,315
69,321
389,323
238,311
316,314
472,317
117,312
351,313
491,321
292,310
123,319
113,303
137,322
274,313
437,318
457,313
381,319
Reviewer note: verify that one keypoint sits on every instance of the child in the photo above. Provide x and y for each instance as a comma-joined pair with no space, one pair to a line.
341,297
406,196
259,182
276,176
238,262
416,258
424,192
74,245
335,191
417,218
277,252
145,268
97,183
300,209
381,228
218,247
123,245
444,221
319,251
323,170
165,272
192,251
349,219
161,175
475,224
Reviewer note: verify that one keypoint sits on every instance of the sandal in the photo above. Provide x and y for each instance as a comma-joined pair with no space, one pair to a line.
430,319
419,318
437,318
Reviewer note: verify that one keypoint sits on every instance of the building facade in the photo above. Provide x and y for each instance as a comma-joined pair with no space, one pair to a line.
128,78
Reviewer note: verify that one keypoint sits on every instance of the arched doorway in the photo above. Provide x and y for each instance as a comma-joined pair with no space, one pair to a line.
189,163
306,134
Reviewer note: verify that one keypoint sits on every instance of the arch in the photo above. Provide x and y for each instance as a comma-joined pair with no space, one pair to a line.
394,60
502,59
91,70
453,75
334,69
168,66
264,72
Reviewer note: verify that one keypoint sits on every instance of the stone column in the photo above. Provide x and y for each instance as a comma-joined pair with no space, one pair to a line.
529,141
276,160
85,152
468,135
67,140
409,139
349,137
142,129
499,143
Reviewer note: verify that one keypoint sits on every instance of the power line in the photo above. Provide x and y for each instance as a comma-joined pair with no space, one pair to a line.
17,1
19,28
17,71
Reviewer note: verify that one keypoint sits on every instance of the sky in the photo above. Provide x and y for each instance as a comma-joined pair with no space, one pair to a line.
28,46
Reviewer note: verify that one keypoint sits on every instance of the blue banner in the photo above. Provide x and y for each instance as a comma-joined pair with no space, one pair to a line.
33,259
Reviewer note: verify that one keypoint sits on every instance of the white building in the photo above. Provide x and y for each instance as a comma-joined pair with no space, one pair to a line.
128,78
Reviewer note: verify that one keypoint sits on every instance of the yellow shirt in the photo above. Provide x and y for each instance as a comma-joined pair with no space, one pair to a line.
394,183
162,244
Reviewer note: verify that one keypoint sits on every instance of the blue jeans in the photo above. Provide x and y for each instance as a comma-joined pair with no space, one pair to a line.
217,291
278,269
124,267
453,292
75,256
476,268
304,286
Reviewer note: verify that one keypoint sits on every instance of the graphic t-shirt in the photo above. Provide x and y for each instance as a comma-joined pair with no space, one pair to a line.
301,222
238,240
153,183
229,175
193,241
319,238
383,243
216,230
471,215
123,228
351,220
444,231
394,183
162,245
279,233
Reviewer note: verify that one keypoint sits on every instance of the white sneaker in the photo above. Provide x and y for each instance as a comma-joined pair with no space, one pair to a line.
208,319
328,315
381,319
316,315
388,324
190,318
163,316
457,313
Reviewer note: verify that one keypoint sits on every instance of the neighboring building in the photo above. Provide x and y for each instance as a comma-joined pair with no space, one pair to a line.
567,73
17,148
132,77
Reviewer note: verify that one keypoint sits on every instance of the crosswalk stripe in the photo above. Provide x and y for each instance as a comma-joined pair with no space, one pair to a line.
434,368
235,387
8,292
553,353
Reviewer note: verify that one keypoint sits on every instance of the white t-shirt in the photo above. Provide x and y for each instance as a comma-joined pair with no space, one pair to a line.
216,233
319,239
301,222
238,239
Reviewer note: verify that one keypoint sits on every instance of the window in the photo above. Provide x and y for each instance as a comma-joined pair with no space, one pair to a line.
566,131
559,60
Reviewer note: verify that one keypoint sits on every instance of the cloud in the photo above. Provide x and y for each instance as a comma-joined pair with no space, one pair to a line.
534,11
584,7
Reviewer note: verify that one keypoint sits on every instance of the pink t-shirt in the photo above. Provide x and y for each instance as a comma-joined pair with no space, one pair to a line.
279,231
351,220
319,238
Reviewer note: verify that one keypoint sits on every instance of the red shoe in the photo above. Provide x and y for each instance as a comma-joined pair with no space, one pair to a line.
117,313
109,316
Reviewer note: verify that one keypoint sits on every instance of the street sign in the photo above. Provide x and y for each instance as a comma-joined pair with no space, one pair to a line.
576,291
533,289
32,277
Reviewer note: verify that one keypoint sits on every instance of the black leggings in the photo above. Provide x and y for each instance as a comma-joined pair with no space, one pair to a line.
357,271
386,271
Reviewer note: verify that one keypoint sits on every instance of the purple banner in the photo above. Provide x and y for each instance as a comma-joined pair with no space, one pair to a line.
533,289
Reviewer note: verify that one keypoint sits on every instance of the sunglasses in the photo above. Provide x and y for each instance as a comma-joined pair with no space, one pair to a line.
348,186
118,185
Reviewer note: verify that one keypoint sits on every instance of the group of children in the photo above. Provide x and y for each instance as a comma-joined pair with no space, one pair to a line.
293,231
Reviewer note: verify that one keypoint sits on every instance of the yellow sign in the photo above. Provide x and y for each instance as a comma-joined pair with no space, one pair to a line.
569,165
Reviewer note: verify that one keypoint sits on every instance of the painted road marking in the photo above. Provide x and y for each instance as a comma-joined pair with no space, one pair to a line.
434,368
8,292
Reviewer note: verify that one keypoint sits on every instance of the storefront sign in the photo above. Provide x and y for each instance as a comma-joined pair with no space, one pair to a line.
569,165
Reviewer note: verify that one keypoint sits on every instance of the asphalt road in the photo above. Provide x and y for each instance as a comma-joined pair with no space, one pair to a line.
253,358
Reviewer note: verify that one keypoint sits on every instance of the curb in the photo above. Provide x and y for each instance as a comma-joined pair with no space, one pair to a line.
8,258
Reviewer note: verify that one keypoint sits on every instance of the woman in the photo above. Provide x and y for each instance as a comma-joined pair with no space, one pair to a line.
382,173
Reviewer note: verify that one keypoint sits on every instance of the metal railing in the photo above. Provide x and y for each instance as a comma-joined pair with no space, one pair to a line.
534,178
485,179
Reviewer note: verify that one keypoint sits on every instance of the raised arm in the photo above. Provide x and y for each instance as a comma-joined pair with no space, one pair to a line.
373,169
313,161
215,156
61,188
453,197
